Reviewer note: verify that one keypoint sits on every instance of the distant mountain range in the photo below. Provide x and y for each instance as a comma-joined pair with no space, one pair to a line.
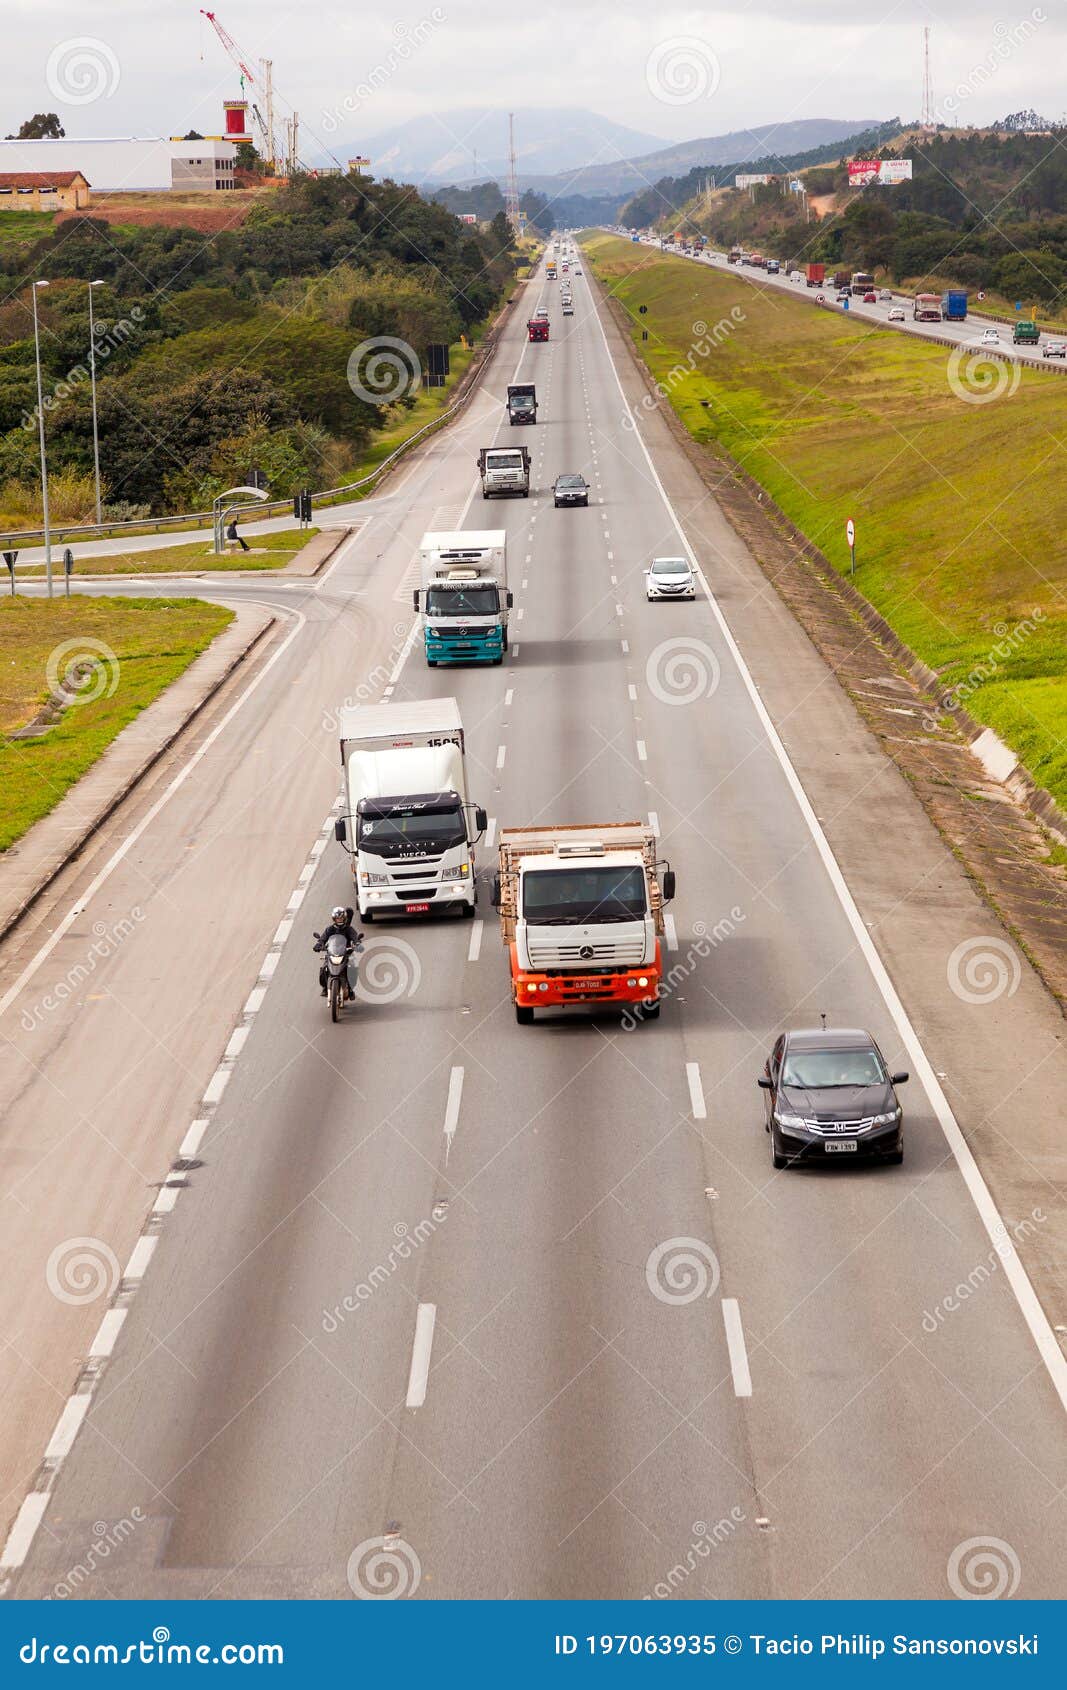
740,146
471,144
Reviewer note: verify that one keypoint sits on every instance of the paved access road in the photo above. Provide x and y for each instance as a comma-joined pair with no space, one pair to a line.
967,335
784,1407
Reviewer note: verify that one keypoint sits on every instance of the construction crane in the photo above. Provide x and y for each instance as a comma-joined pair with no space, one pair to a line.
262,83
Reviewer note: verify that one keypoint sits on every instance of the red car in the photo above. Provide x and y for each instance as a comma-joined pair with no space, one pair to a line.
870,299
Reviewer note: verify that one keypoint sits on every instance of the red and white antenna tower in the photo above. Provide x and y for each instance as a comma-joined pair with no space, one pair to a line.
511,198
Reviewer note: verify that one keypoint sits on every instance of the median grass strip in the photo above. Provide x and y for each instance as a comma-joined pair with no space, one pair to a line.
953,474
125,652
266,551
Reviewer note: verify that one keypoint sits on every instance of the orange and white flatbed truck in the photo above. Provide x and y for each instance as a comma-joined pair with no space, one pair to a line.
581,916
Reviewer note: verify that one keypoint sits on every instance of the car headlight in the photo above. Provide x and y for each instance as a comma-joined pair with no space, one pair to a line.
368,879
886,1119
784,1120
459,873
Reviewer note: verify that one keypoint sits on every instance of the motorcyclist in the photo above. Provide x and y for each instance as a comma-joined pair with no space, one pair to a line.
341,920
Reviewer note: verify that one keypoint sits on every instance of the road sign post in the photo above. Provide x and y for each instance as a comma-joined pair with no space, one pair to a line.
850,536
10,559
68,567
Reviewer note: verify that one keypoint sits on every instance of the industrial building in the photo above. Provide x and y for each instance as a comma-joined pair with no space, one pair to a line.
127,166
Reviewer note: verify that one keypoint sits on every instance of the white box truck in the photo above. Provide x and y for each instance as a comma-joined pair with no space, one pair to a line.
504,469
409,827
464,598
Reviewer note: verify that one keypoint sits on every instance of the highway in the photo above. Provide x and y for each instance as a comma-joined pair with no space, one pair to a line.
588,1426
967,335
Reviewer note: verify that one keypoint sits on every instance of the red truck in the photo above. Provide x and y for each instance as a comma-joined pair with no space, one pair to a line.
537,328
816,275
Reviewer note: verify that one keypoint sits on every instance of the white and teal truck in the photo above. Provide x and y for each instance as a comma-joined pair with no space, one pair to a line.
464,598
409,826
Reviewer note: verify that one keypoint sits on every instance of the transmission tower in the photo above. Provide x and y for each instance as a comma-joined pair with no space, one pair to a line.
926,121
511,200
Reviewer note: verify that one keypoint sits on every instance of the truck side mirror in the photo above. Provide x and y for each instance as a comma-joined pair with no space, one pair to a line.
340,830
495,900
415,598
668,885
481,820
511,598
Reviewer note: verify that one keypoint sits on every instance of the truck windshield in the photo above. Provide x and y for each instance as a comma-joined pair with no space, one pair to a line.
415,831
569,897
504,460
462,601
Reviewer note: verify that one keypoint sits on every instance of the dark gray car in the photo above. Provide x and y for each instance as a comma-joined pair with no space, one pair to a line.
570,490
829,1093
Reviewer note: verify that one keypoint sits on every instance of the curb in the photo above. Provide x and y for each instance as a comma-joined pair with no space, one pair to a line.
1017,782
9,919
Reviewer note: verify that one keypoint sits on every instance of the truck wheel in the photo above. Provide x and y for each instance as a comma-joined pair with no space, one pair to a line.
366,915
650,1010
431,663
523,1015
485,495
526,493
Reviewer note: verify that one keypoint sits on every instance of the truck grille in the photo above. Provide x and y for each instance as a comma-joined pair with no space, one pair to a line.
546,954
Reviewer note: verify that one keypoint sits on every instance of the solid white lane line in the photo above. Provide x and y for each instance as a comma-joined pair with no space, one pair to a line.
501,753
475,946
642,751
735,1344
670,932
698,1108
1034,1315
455,1098
419,1373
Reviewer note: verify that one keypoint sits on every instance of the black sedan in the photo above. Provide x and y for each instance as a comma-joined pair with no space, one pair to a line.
570,490
828,1092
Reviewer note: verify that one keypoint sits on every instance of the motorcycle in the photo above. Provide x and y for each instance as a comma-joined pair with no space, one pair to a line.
339,951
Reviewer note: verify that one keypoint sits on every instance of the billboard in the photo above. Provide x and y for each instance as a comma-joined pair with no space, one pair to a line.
749,181
886,171
467,217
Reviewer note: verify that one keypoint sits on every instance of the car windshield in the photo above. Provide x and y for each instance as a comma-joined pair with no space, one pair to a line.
570,481
824,1070
556,897
462,601
670,566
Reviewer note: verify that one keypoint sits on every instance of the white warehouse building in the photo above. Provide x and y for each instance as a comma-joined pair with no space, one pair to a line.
132,166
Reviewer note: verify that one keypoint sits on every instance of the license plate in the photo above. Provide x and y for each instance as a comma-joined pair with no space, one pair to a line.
585,985
834,1146
421,909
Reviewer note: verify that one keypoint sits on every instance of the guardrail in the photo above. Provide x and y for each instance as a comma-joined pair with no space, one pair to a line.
133,529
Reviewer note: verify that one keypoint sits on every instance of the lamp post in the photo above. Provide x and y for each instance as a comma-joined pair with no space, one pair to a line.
92,381
40,435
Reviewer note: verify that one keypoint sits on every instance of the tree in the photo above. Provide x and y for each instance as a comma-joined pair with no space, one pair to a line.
42,126
193,135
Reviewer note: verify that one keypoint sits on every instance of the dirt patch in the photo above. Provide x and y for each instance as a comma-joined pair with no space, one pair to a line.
207,213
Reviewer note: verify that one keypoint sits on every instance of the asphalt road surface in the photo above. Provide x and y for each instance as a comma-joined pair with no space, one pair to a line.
640,1361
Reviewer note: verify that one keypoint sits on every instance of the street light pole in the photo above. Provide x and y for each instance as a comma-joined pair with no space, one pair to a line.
40,435
92,379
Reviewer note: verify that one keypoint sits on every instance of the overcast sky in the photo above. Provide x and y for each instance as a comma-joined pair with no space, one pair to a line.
155,67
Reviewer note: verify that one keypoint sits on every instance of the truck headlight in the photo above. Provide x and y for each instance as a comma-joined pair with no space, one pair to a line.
368,879
459,873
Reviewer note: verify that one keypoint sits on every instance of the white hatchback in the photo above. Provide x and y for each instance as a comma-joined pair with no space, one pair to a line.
670,578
